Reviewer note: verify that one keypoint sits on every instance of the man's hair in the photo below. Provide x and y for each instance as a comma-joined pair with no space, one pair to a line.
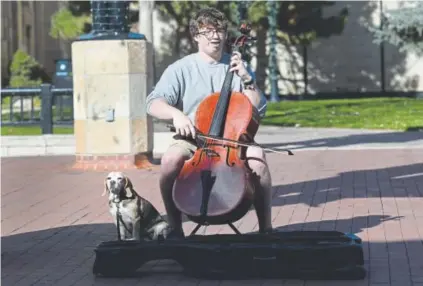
208,17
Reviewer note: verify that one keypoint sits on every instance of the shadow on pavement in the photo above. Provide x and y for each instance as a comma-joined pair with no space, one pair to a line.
351,140
400,181
66,253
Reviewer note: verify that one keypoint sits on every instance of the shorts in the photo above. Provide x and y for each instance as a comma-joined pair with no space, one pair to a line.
188,146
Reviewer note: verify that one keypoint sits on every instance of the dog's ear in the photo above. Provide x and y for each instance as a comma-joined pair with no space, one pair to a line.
106,188
128,187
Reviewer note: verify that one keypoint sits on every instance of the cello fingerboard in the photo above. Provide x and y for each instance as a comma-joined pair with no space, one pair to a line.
219,116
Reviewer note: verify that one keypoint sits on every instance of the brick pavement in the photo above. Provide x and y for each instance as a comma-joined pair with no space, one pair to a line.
53,216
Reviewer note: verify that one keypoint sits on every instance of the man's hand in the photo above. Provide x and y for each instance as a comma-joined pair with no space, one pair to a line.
159,108
183,124
237,65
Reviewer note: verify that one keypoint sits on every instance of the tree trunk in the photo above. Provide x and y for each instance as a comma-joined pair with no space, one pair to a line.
262,58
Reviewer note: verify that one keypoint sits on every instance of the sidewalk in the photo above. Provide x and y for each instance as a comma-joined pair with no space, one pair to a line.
53,217
273,137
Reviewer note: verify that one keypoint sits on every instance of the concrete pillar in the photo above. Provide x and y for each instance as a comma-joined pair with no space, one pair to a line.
111,80
145,26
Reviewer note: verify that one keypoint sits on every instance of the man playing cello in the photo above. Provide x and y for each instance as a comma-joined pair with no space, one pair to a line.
183,85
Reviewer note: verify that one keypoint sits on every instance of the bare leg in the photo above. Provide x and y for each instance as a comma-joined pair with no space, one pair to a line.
171,164
262,180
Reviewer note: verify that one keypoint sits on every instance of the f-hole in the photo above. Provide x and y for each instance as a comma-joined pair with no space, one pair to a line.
208,152
199,159
227,157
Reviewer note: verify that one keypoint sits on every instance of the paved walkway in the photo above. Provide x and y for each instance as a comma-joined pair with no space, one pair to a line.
53,217
299,139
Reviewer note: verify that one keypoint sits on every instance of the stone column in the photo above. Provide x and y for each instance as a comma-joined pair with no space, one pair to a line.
111,80
145,25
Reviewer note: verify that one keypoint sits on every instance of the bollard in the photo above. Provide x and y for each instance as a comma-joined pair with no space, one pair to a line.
46,109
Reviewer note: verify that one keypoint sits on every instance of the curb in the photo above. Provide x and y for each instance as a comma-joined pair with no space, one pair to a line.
59,145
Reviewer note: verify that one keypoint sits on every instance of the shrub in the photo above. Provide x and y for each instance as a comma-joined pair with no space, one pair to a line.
25,71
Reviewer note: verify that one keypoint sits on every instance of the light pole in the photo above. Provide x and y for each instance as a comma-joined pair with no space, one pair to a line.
382,50
110,21
272,7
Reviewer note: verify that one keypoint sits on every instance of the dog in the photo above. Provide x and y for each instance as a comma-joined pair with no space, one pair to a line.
138,219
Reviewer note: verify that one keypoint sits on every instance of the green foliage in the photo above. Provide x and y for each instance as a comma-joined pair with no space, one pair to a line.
75,19
402,28
25,71
65,25
297,22
181,13
302,22
257,13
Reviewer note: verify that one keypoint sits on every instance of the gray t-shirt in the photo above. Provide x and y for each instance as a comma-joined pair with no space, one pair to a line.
186,82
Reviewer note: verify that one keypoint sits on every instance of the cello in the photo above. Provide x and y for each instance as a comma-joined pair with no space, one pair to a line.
214,186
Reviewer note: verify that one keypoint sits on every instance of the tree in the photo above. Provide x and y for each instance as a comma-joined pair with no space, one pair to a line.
297,21
74,19
71,21
302,22
66,26
402,28
182,11
25,71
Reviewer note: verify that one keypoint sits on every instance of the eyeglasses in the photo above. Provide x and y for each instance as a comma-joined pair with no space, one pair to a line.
209,33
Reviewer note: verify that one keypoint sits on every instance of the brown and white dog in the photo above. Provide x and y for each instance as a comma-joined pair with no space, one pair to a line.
140,220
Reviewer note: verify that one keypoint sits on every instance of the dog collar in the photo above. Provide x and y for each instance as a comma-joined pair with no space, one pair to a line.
118,199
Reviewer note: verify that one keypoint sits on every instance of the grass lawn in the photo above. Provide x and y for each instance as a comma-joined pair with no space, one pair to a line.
35,129
32,130
369,113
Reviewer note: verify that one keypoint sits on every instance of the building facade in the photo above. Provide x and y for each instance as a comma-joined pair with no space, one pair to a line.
26,25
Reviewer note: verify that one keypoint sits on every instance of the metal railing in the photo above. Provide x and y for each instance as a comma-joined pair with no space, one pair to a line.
44,106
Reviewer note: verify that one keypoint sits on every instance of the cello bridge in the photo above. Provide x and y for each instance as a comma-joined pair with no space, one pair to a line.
210,153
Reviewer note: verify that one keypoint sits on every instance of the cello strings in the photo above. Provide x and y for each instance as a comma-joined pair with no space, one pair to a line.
239,143
205,143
